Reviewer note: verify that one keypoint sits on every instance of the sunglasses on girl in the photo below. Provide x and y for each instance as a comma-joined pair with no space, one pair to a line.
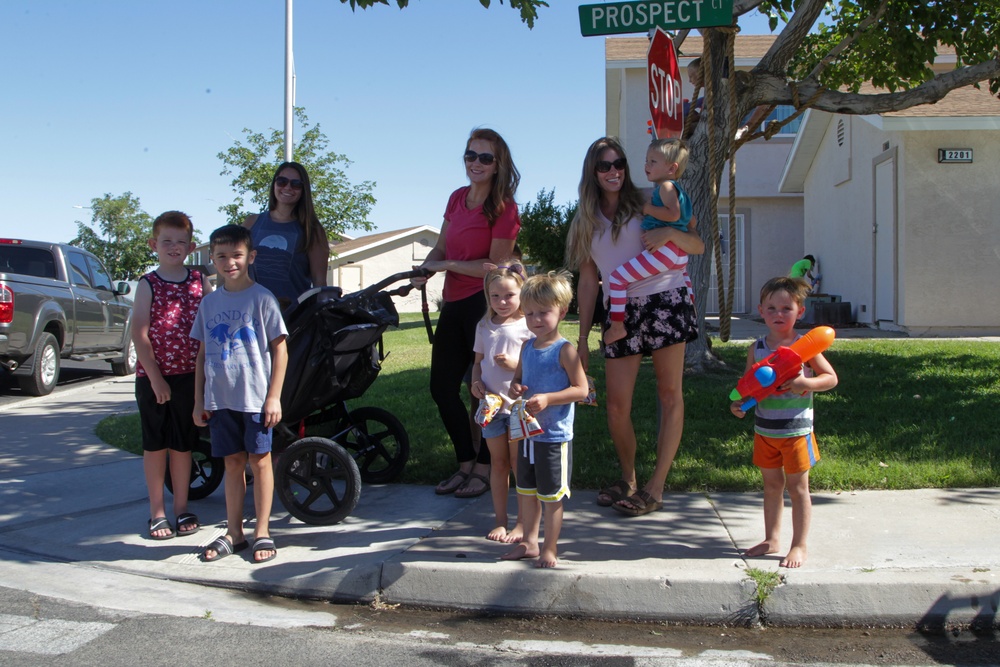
484,158
282,182
604,166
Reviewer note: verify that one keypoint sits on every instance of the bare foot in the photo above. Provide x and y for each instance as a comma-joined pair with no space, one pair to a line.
547,559
514,536
615,332
762,549
522,550
498,534
795,558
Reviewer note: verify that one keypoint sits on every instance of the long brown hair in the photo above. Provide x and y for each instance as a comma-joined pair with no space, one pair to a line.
587,220
507,178
304,210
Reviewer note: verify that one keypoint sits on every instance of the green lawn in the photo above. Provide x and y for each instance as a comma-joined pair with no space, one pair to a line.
906,414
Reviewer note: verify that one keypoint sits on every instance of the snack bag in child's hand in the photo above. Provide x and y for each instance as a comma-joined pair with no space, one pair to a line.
489,406
591,392
522,423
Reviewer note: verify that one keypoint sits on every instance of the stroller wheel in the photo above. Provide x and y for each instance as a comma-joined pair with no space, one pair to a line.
379,444
206,471
317,481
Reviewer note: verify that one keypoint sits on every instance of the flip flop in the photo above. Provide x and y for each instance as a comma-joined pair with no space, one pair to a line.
642,503
451,484
159,523
187,519
223,547
264,544
610,495
463,491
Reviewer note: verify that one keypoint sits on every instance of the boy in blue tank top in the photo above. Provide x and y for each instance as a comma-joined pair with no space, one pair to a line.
550,379
784,445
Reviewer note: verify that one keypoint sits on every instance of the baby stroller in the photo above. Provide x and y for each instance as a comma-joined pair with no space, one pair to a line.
322,450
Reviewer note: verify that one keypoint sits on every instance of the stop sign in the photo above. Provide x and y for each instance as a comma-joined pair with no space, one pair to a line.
664,77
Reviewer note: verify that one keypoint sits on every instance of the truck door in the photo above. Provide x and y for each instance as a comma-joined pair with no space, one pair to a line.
115,309
90,312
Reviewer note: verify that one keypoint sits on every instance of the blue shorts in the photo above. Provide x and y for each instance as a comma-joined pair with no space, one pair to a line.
237,432
500,425
544,469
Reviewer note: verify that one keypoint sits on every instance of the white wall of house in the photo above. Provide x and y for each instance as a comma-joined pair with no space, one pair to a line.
838,211
940,224
950,245
367,266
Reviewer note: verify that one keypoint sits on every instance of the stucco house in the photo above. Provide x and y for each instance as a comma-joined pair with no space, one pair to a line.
909,242
363,261
910,238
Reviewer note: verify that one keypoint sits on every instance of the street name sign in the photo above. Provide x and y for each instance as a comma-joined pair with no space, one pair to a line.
614,18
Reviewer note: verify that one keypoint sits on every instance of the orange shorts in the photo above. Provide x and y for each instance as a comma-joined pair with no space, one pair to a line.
795,455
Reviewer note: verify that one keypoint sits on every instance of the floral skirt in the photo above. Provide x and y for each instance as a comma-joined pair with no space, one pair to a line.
654,322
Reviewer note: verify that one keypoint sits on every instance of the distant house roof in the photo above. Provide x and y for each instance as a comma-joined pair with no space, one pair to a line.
747,47
363,243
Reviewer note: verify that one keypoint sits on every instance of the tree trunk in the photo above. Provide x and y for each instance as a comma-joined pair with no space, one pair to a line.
701,179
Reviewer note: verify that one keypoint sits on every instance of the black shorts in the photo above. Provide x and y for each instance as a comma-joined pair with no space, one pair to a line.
654,322
168,425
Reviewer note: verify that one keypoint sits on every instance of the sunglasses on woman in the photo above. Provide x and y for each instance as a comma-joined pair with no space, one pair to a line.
604,166
484,158
282,182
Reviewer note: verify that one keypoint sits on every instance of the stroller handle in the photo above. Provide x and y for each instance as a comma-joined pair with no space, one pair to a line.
394,278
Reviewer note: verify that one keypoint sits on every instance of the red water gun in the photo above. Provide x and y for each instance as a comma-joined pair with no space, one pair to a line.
785,363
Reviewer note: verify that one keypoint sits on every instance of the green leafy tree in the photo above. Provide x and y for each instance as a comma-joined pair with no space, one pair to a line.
528,8
118,234
827,56
339,204
544,226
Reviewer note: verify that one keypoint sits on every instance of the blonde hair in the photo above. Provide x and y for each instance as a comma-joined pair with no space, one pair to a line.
554,288
672,150
797,288
513,270
588,220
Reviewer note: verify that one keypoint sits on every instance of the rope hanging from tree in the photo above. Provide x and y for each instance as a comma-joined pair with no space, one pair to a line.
725,318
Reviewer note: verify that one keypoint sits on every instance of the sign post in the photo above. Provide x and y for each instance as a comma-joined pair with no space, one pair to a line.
664,77
613,18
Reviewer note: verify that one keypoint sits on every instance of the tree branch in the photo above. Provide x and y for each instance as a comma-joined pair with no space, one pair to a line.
847,41
776,90
790,39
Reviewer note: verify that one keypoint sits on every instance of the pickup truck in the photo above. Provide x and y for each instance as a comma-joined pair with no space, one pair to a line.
57,302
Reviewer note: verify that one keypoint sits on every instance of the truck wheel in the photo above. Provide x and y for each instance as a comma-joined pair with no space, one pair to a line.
44,367
127,365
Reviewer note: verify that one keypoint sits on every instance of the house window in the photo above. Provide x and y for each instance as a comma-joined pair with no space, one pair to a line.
780,112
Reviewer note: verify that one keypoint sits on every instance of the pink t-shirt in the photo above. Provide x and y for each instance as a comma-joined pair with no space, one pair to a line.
493,339
609,256
469,237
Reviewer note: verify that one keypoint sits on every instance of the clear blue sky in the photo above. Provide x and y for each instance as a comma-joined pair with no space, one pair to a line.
110,96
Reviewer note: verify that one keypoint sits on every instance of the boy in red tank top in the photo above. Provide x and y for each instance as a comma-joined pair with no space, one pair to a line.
166,302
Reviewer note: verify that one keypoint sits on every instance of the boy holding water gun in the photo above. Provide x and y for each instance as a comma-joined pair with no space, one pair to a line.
784,446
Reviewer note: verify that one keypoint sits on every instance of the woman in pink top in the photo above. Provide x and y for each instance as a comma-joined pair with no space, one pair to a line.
659,316
480,226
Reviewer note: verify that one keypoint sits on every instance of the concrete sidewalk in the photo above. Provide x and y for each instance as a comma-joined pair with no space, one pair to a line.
877,557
